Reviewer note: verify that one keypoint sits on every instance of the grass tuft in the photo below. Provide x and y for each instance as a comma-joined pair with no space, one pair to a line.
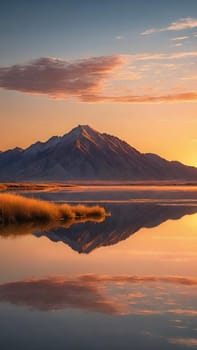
17,209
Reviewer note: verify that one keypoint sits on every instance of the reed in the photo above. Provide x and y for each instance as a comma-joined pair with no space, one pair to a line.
19,209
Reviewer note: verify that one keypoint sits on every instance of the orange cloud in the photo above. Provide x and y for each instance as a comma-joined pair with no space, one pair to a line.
193,77
177,97
85,79
55,77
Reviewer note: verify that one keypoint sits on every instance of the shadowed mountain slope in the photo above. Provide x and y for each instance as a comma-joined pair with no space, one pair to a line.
85,154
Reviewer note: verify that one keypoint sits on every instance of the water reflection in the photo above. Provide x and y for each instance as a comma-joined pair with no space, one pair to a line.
132,299
21,229
140,293
122,294
86,235
125,220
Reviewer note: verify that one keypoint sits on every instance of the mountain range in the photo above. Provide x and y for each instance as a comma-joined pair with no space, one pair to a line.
86,154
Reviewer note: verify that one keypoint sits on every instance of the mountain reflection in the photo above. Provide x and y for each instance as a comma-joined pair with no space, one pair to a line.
85,235
21,229
125,220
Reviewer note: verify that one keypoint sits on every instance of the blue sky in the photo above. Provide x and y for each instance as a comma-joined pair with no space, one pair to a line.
71,29
123,67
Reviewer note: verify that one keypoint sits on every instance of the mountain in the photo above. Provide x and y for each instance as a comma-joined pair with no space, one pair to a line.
86,154
125,220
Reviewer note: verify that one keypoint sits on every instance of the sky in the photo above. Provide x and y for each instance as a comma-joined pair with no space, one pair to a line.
127,68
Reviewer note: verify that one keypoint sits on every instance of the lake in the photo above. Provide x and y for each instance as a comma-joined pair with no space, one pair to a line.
129,281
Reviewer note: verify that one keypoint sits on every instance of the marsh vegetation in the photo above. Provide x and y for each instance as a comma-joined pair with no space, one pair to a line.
15,209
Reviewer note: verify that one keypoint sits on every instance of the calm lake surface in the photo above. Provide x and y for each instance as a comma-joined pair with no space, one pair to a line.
129,282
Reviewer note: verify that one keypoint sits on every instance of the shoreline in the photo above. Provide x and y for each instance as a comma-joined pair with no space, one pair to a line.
50,187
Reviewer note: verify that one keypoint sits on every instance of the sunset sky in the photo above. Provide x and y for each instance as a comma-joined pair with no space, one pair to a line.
127,68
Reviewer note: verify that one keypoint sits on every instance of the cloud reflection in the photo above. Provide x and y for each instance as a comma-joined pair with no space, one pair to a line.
188,342
114,295
57,293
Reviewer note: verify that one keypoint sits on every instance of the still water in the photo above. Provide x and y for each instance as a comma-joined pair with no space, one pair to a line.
129,282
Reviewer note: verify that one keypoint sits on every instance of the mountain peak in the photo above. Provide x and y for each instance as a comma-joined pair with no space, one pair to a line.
81,131
85,127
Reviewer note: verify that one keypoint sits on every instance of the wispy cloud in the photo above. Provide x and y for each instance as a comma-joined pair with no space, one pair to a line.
55,77
168,98
178,44
192,77
180,24
180,38
162,56
119,37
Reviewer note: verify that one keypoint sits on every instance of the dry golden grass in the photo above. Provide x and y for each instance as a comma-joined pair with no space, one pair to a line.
81,211
17,209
